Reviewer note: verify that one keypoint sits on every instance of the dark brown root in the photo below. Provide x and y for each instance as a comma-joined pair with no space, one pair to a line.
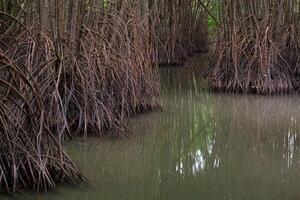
81,68
31,154
256,50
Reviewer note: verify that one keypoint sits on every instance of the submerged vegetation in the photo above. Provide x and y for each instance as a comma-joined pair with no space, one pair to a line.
258,47
76,67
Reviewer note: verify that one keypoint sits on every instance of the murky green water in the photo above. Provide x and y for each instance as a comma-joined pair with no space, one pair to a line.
202,146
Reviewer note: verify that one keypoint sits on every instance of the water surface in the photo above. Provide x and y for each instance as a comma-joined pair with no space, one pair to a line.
201,146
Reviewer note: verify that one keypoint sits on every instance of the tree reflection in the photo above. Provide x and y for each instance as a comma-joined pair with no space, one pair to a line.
202,146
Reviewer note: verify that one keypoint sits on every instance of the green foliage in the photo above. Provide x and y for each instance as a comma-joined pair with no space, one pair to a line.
213,7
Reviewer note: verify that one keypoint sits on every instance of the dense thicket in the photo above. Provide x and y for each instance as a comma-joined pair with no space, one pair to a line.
257,49
77,67
180,29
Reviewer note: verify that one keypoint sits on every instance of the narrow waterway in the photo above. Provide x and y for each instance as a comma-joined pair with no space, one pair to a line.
201,146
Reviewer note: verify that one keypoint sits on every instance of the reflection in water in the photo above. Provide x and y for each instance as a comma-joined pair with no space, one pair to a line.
202,146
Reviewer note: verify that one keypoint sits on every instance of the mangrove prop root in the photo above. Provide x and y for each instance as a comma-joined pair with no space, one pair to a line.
257,49
72,67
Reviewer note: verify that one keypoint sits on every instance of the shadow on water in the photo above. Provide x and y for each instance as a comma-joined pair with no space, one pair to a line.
202,146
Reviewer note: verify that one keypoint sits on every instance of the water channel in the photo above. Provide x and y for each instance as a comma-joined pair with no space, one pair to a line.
201,146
